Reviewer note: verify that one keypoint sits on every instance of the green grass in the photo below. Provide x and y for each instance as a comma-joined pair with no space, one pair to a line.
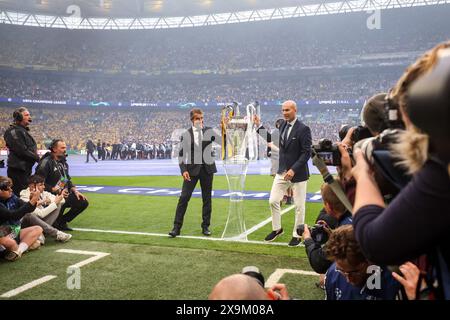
142,272
142,266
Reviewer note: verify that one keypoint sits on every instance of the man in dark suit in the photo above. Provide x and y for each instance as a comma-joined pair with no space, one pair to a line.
294,153
196,163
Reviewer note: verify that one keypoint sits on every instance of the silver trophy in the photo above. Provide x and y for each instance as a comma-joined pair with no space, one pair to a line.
239,146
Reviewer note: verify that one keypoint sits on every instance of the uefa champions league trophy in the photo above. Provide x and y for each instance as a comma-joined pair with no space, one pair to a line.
239,146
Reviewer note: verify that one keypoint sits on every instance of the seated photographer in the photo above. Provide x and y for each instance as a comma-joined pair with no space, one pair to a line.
416,222
54,168
47,209
15,239
352,276
314,248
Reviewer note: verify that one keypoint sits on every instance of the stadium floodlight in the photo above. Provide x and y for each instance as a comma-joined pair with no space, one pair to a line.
322,8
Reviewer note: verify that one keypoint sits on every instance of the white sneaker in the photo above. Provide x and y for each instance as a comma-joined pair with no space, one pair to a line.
42,239
62,236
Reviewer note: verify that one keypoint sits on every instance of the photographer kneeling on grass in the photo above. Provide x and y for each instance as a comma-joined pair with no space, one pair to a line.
54,168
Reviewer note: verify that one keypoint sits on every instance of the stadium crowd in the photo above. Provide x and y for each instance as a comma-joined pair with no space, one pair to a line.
119,89
393,241
156,127
253,47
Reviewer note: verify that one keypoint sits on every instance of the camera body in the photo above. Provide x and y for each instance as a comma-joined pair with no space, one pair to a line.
318,232
328,152
359,133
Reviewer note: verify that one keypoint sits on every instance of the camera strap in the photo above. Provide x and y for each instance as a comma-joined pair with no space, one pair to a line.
328,178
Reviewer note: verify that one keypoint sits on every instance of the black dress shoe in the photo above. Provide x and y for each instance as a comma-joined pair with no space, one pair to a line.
174,233
206,232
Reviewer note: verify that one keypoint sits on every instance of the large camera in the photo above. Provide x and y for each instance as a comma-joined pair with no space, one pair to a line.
359,133
429,100
318,232
328,152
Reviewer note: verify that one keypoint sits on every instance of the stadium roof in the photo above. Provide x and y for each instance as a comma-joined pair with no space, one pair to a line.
144,8
74,17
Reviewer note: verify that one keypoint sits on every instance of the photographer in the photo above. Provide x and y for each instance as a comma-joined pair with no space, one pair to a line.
54,168
352,276
248,285
416,222
22,149
314,248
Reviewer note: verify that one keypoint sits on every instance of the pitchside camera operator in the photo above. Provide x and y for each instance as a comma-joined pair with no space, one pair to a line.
417,221
333,215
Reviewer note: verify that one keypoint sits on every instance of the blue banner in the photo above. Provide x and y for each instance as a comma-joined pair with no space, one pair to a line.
164,104
175,192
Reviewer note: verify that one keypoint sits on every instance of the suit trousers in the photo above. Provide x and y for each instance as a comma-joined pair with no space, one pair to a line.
206,181
279,188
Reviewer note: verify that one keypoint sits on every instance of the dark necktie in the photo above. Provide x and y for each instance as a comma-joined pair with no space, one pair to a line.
286,131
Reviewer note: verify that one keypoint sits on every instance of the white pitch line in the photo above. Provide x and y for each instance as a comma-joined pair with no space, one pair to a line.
262,224
276,276
27,286
96,256
185,237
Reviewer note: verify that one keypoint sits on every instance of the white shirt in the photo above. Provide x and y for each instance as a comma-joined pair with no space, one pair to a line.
196,132
41,211
292,125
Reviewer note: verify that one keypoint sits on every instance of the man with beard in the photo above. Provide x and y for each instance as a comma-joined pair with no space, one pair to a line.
54,168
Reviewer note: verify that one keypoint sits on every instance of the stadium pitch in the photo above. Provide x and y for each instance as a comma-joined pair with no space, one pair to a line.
120,248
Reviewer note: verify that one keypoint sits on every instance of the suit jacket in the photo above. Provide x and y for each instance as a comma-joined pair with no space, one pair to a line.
189,152
296,151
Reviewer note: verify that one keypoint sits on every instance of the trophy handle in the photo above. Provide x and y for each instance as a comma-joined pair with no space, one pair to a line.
227,114
252,110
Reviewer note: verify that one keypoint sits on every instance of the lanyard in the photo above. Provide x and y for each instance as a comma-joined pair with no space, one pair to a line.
62,172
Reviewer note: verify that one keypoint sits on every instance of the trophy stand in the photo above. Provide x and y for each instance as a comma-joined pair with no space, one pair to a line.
235,157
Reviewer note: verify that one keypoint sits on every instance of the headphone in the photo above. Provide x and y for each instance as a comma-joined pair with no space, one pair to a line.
17,114
53,144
